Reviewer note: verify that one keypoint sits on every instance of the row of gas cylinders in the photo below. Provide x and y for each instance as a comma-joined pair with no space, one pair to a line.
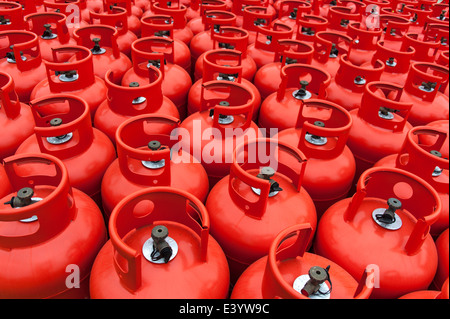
306,211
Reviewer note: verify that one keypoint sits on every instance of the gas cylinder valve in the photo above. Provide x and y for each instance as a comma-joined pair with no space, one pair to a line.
267,173
360,80
139,99
154,146
386,113
223,119
345,22
11,58
317,276
23,198
315,139
67,76
388,217
48,34
161,248
334,52
428,86
293,14
307,31
437,170
391,62
223,45
4,21
260,21
97,49
58,139
302,93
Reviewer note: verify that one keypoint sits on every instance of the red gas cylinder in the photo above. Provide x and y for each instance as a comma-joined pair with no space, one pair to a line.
424,88
224,120
11,16
116,17
440,32
397,63
419,15
75,77
397,8
440,11
16,119
162,26
147,158
102,41
90,5
134,13
254,17
42,215
144,5
430,140
222,65
328,48
265,46
239,7
159,52
135,99
347,86
268,77
321,7
307,26
357,6
426,162
379,126
31,6
160,241
364,44
260,197
426,48
290,272
197,24
321,134
443,58
194,6
232,38
177,11
339,17
385,225
73,10
26,71
67,133
204,40
429,294
394,28
442,245
289,10
299,82
52,30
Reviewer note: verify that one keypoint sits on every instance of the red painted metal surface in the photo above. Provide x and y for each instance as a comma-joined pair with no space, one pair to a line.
353,232
122,270
63,220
